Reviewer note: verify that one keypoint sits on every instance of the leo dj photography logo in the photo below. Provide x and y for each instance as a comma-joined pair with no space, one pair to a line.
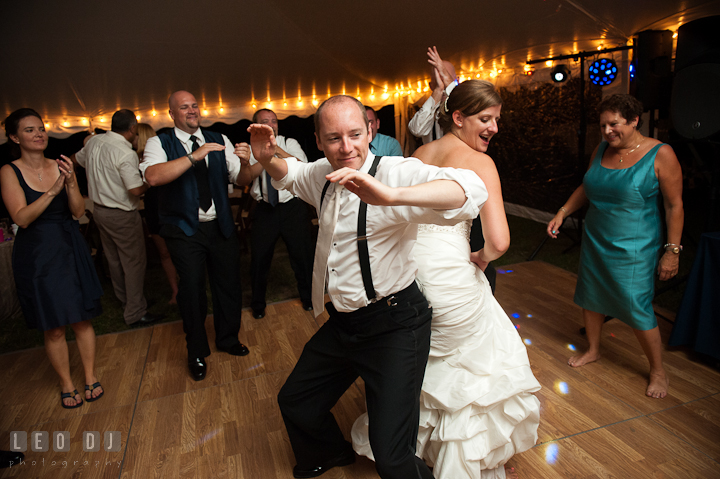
92,441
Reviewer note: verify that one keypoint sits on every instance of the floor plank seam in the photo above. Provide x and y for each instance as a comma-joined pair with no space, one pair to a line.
682,404
684,440
589,430
137,396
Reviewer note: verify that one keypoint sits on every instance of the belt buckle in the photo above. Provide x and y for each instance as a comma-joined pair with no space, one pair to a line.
390,300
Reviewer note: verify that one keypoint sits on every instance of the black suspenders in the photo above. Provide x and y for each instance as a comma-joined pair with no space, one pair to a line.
363,252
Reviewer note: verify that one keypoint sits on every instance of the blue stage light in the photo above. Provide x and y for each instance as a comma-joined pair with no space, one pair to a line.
603,71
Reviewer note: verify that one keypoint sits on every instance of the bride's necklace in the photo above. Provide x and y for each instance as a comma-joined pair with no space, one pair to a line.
628,153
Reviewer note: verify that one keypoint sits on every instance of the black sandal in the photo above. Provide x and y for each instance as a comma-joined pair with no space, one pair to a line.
90,388
70,395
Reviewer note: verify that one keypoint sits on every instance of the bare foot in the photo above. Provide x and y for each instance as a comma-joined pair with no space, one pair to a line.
658,387
90,394
70,402
583,359
511,473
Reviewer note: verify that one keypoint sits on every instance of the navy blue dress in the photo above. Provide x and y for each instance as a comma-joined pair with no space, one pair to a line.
54,274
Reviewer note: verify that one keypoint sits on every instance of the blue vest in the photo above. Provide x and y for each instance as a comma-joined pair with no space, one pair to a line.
179,202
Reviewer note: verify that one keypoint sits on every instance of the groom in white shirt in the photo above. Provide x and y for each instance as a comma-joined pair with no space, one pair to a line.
379,325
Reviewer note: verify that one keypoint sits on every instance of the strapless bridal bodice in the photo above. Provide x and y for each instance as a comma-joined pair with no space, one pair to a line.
462,229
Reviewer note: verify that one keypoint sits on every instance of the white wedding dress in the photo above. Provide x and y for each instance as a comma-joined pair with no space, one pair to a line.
476,407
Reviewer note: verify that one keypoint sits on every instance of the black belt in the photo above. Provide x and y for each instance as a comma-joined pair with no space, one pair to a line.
387,302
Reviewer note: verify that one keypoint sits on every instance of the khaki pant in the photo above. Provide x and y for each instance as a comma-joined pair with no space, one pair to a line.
123,242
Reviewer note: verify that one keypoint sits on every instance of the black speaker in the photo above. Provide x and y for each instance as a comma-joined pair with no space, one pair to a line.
652,61
695,103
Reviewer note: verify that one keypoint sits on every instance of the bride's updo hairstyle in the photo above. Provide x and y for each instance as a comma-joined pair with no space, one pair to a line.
469,98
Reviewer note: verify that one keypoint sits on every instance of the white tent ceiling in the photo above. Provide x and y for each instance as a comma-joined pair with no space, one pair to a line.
76,62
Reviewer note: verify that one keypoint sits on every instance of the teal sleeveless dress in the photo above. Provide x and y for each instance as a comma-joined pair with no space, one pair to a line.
621,241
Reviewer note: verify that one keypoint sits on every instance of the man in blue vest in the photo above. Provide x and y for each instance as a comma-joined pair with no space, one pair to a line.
191,167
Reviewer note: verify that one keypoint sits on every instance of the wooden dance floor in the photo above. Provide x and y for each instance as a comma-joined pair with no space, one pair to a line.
595,421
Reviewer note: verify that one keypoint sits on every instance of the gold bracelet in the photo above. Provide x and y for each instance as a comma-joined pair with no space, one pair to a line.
562,208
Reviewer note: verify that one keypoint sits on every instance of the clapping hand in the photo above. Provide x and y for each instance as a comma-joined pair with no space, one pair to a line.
242,151
445,79
67,177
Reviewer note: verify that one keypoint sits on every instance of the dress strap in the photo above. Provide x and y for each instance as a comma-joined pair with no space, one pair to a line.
601,151
19,175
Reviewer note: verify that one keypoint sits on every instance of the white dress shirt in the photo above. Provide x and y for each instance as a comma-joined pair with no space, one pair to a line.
112,169
391,231
293,148
422,124
155,154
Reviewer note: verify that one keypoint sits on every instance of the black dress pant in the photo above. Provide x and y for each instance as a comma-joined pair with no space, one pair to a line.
291,222
206,253
387,346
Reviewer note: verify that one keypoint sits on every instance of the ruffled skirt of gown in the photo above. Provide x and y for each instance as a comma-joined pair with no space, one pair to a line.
476,407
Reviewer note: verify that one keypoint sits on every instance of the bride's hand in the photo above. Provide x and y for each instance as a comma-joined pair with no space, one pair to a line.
476,258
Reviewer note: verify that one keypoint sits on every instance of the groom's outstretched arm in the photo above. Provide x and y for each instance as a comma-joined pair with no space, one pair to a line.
437,194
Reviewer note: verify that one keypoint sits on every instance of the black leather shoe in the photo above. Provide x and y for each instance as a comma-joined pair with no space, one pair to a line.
344,459
258,313
148,319
198,368
307,305
238,349
10,458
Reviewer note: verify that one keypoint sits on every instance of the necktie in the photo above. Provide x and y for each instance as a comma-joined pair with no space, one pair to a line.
201,176
272,193
328,220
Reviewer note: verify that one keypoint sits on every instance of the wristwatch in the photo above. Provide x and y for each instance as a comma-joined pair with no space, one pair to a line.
676,248
191,158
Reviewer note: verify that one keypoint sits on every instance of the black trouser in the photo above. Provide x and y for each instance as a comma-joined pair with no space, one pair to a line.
387,346
291,222
207,250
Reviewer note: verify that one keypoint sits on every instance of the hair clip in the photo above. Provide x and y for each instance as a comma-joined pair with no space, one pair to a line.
446,107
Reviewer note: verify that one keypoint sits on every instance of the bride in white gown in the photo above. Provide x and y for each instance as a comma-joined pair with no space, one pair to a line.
476,407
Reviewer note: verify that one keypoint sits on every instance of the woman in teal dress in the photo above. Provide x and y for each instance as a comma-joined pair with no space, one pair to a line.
622,240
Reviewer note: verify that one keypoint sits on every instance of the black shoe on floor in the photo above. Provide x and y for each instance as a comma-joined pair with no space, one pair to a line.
307,305
198,368
10,458
148,319
238,349
344,459
258,313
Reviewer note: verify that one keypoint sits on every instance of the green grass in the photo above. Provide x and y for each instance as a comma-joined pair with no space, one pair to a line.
526,235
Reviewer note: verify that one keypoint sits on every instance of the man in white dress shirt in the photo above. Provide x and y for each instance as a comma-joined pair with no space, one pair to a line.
278,213
379,325
114,185
191,167
424,123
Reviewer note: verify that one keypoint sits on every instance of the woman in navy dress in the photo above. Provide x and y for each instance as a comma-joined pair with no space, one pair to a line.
621,247
55,278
